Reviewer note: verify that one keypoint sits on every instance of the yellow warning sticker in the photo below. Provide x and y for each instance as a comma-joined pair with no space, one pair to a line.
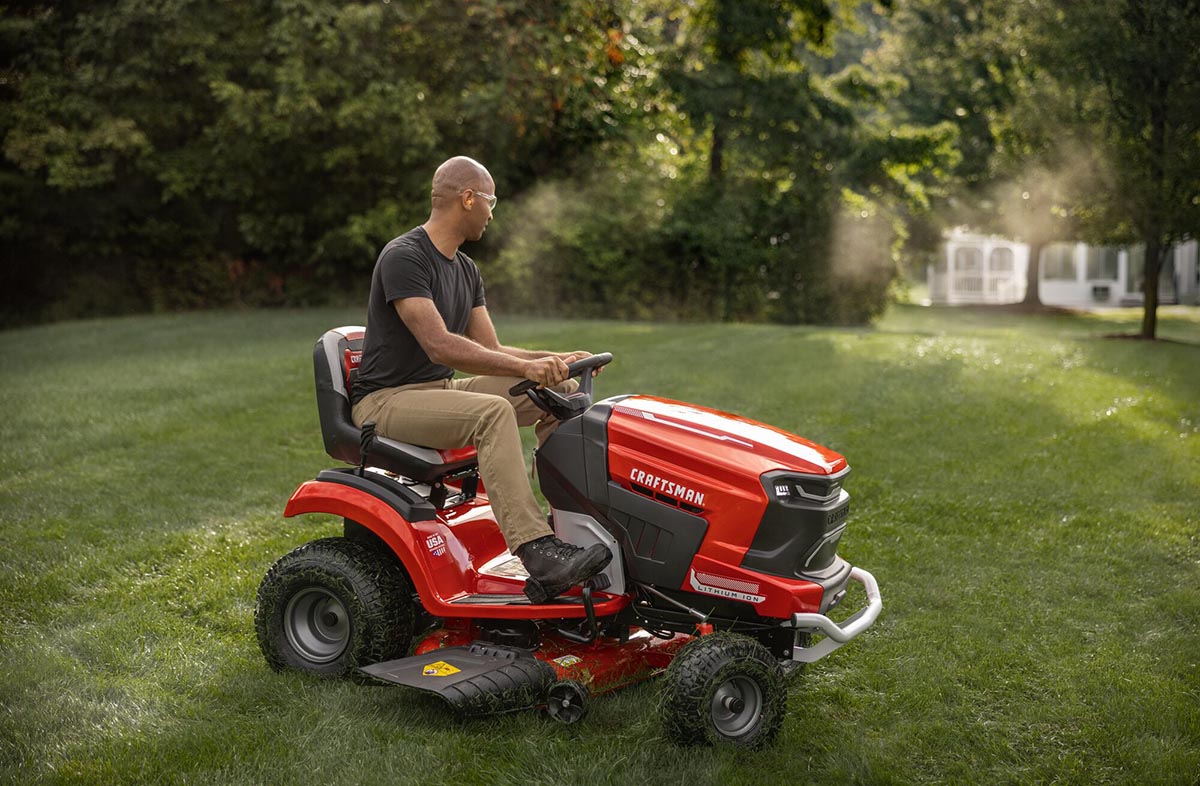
566,661
439,669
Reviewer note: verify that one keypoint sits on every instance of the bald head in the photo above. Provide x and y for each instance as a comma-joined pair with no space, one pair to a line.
455,176
459,213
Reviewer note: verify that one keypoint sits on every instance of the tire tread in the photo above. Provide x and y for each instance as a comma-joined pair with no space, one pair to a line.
697,671
371,584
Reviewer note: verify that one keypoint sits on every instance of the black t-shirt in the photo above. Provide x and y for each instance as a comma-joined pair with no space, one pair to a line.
411,266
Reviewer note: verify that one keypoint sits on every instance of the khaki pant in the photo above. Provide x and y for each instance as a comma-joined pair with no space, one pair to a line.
453,413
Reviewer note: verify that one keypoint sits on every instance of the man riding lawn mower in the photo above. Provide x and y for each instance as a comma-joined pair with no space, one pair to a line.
684,540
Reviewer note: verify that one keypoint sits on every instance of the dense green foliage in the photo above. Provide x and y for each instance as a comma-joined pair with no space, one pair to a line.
697,161
182,153
730,159
1039,566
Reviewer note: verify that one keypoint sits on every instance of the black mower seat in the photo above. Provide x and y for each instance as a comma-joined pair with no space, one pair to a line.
335,362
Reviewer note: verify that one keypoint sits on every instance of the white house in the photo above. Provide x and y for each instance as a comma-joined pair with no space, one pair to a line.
986,269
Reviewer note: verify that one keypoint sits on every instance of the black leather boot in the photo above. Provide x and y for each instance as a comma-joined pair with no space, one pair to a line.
555,566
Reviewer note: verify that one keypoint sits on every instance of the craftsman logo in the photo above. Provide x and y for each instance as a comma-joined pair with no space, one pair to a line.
436,544
726,587
439,669
670,488
567,661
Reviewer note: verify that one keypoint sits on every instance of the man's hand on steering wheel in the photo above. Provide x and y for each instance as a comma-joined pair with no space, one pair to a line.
547,371
542,394
579,354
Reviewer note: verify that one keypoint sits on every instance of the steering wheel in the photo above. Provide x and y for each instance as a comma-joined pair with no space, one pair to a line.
573,370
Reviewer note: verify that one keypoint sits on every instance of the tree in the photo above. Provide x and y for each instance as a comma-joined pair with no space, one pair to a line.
1132,70
964,63
792,155
181,153
1074,119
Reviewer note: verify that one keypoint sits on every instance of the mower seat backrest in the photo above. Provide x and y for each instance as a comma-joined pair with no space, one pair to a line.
335,363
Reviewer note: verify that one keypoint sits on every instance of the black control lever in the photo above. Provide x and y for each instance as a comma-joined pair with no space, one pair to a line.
588,630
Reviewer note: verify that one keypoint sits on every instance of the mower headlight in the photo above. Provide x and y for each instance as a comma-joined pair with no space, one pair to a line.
817,489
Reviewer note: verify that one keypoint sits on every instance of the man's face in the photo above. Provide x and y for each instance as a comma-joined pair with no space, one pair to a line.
479,215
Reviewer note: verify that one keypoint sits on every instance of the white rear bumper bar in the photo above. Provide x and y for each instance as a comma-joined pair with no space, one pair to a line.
838,634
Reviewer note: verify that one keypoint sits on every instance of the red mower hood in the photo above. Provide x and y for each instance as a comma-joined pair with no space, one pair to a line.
730,439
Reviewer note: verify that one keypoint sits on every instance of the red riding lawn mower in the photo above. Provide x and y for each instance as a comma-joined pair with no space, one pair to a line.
724,536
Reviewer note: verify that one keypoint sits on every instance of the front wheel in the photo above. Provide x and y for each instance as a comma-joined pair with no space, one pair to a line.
332,606
723,688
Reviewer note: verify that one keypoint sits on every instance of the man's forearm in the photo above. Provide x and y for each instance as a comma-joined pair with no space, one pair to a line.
526,354
463,354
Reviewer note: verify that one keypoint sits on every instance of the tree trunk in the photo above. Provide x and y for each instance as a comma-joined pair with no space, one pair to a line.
1150,289
1033,296
716,160
1154,237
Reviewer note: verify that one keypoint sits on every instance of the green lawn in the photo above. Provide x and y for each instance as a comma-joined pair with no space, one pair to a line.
1026,492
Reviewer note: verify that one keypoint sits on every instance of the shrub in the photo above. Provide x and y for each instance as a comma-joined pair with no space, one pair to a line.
635,245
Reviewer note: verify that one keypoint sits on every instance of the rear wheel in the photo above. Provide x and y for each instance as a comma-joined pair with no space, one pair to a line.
332,606
723,688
